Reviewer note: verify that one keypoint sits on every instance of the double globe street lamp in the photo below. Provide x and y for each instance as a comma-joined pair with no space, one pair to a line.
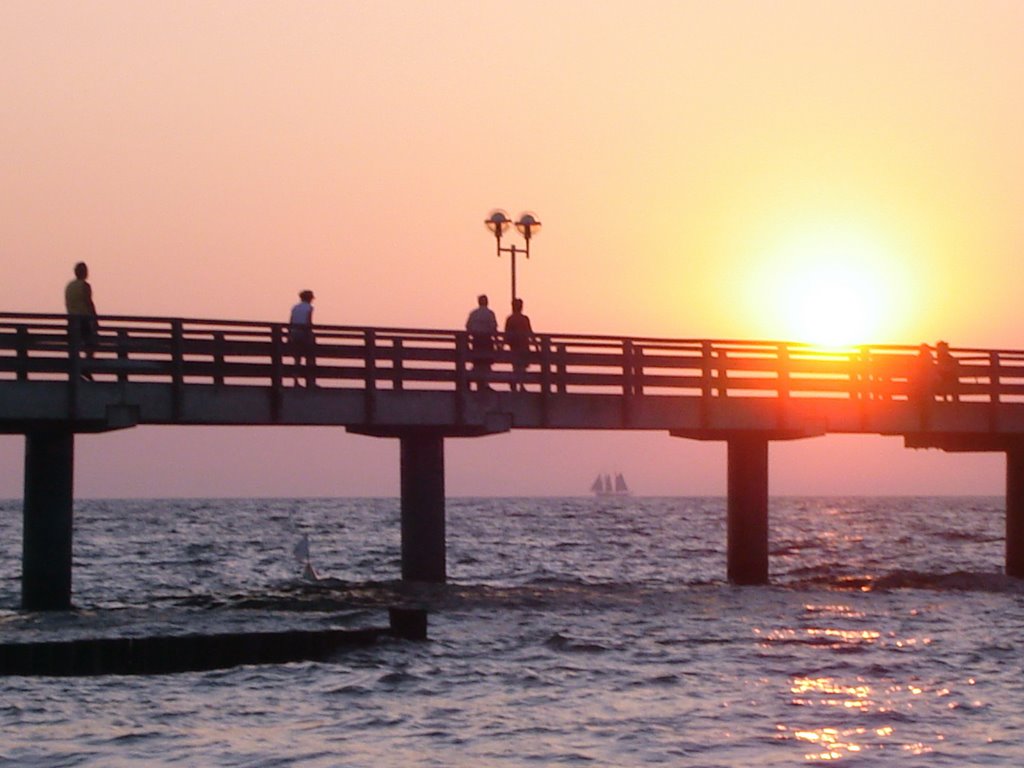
527,225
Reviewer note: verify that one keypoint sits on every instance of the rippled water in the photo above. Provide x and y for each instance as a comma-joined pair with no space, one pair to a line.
572,632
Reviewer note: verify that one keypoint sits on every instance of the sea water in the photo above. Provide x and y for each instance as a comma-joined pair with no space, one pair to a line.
575,631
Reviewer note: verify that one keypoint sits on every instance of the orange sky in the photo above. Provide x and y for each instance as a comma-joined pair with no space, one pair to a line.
701,169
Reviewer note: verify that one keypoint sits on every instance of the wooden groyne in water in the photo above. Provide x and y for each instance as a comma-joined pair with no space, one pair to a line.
190,653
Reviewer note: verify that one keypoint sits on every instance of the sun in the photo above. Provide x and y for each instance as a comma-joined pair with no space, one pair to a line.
831,304
831,286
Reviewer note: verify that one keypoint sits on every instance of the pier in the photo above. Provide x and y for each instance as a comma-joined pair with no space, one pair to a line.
420,387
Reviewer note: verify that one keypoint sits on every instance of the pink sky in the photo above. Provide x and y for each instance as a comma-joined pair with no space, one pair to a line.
700,169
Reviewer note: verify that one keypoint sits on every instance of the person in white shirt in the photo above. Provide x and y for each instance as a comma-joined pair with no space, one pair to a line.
301,337
482,326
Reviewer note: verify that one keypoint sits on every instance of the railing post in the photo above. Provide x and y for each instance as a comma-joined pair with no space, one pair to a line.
627,367
276,356
218,358
545,364
545,377
627,381
723,373
461,378
74,349
370,375
993,384
461,358
994,376
857,375
398,365
177,367
276,369
638,370
633,368
22,344
74,365
707,356
122,354
783,371
560,369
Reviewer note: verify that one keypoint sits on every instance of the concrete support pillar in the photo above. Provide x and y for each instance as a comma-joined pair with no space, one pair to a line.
423,515
1015,511
748,510
47,533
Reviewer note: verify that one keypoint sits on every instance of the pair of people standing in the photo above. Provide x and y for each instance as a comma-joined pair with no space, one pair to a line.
938,374
482,326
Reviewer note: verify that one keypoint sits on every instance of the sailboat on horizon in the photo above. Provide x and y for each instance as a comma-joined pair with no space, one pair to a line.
603,485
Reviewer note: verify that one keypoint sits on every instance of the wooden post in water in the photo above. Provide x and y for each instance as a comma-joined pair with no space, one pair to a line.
1015,511
423,514
47,515
748,510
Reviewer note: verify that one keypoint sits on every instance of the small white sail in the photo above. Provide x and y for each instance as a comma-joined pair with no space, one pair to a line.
301,552
605,485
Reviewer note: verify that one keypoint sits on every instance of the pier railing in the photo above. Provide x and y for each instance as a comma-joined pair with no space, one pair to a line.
237,353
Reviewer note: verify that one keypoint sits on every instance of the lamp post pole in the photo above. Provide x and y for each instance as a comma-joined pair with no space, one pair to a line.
498,223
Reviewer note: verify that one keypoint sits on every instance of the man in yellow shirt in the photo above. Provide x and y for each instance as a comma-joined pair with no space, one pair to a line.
81,310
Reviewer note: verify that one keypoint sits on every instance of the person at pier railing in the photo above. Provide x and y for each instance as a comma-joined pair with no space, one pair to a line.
519,339
301,338
482,326
949,373
925,379
82,311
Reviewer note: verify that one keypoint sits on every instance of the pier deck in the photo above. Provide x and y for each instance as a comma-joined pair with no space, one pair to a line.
422,386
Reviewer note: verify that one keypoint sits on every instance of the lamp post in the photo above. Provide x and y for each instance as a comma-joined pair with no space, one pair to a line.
527,225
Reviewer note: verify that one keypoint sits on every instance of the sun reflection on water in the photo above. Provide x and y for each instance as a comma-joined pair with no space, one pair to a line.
835,741
828,743
826,691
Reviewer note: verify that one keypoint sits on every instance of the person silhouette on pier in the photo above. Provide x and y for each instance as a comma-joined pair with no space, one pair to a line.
519,340
925,378
82,312
301,338
482,326
949,373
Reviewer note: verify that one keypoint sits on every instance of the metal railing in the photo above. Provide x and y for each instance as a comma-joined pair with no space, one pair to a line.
230,353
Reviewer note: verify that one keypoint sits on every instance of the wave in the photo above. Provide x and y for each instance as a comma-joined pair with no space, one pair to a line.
963,581
560,642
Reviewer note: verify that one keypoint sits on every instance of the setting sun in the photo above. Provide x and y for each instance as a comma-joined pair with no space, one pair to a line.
832,286
831,304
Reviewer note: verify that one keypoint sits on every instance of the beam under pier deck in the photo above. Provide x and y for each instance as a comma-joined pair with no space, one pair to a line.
748,510
424,546
47,516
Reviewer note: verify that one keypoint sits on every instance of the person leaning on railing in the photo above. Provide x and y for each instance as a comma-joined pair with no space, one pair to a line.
82,311
949,372
301,338
519,339
482,326
925,377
